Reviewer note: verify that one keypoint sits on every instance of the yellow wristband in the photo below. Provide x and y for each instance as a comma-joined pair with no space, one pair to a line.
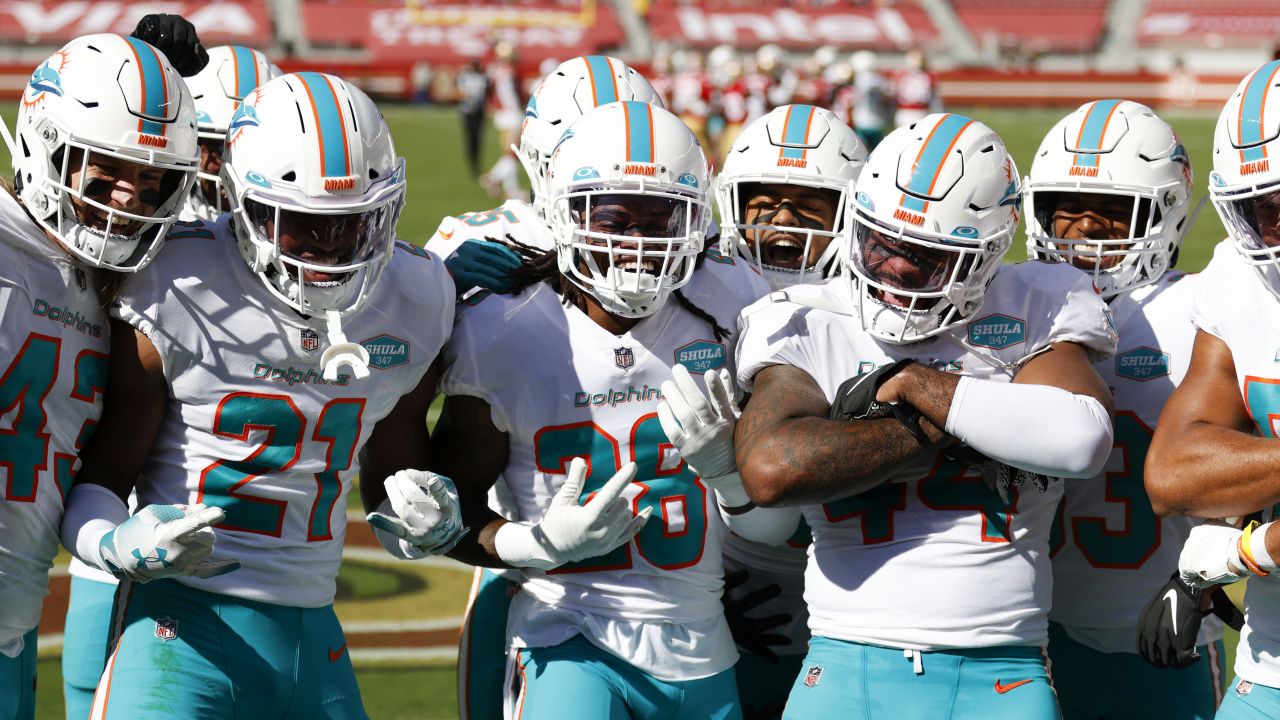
1242,548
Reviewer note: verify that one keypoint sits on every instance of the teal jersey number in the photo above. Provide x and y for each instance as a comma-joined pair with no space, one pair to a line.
1262,399
1138,538
24,446
224,482
675,535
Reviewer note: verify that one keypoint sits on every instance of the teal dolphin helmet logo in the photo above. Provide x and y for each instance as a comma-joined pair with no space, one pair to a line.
245,116
46,80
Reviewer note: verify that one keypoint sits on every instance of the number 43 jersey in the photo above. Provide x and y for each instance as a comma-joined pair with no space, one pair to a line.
931,559
560,387
252,426
53,366
1234,306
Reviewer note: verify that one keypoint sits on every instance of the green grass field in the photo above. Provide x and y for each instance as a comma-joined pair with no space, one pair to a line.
439,185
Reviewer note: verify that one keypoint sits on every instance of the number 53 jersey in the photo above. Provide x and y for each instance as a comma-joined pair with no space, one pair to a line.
560,387
252,426
931,559
53,366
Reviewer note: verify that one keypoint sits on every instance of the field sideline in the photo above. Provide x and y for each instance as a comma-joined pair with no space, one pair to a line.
401,617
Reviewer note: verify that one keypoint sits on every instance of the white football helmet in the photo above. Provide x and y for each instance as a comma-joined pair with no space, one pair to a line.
118,100
1244,185
792,145
309,161
934,212
628,155
573,88
1120,148
232,73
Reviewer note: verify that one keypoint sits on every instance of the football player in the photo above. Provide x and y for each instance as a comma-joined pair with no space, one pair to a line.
217,90
101,164
927,591
1214,453
555,388
239,392
481,250
782,199
1110,192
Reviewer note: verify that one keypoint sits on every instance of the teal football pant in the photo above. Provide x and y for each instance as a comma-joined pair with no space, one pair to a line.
84,643
482,648
1247,701
1095,685
576,679
854,681
182,652
18,682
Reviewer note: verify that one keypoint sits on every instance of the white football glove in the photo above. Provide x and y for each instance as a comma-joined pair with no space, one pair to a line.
1211,556
701,428
422,509
570,532
163,541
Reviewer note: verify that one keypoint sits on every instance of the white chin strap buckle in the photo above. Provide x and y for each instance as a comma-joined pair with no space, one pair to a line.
341,352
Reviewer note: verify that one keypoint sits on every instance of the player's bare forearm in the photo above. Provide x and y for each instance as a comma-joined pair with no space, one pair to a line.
400,440
471,451
133,411
789,453
479,547
1204,459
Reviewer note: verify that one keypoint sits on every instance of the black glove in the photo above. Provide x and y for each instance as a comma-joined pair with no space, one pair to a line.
856,400
1169,624
750,633
177,39
998,476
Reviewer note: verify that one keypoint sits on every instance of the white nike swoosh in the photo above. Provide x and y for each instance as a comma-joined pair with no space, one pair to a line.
1172,597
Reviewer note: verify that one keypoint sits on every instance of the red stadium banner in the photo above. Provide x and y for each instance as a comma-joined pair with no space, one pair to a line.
396,32
844,27
246,22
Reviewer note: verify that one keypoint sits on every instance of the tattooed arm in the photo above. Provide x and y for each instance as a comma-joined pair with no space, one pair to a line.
789,453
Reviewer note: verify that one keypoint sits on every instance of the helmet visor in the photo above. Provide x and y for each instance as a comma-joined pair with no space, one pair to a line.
324,245
1255,221
900,261
1092,231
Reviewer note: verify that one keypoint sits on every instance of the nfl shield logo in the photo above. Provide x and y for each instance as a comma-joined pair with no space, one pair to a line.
310,339
812,677
623,357
166,628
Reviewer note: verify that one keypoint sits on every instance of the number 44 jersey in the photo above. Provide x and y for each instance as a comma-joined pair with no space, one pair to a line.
560,387
252,425
931,559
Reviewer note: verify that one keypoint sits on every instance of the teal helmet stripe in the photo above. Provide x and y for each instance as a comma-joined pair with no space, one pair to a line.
1096,119
603,88
246,66
1252,106
639,118
795,130
933,156
154,92
332,131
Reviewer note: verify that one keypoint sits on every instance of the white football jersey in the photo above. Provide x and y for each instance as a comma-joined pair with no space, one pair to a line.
1232,304
1110,551
512,222
252,425
560,386
931,559
54,341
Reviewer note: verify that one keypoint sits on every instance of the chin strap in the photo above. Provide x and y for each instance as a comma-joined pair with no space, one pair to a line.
342,352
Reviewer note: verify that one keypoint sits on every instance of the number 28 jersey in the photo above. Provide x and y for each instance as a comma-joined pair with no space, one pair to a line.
53,367
931,559
560,387
1234,306
252,426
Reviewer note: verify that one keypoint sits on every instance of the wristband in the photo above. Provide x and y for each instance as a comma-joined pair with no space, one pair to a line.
1253,551
520,545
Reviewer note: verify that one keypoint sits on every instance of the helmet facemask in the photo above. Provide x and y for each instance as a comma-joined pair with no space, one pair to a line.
1119,234
84,201
790,228
629,249
912,285
1252,218
208,199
